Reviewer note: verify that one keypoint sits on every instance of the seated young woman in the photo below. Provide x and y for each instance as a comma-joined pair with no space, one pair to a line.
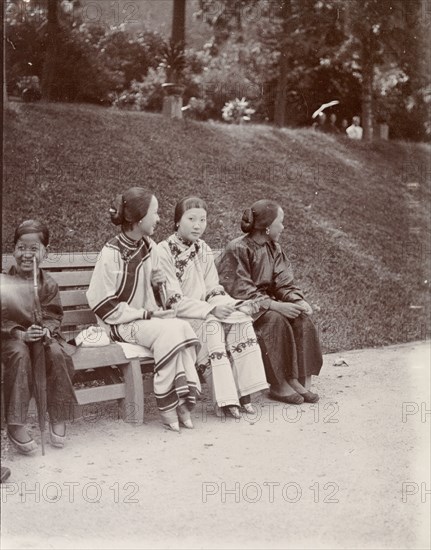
230,357
122,293
31,339
255,266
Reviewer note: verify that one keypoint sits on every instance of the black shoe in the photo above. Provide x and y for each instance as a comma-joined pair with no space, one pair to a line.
292,399
310,397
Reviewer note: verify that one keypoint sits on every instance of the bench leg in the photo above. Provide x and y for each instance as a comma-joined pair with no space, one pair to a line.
132,407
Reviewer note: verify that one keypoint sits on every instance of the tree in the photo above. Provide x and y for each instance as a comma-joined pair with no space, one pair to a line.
179,22
52,36
293,34
378,33
174,61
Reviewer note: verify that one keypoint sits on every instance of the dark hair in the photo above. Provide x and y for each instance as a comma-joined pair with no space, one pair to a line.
260,216
185,204
130,207
32,226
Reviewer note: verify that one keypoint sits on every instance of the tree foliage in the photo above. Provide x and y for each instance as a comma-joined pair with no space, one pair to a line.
286,57
371,55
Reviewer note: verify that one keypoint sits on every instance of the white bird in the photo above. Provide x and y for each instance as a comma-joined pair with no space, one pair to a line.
323,107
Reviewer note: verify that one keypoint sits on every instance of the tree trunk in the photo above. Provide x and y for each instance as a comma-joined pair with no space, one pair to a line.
172,104
281,95
49,76
179,22
367,91
3,22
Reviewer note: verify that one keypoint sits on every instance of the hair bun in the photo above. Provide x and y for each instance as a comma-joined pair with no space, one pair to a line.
117,210
247,220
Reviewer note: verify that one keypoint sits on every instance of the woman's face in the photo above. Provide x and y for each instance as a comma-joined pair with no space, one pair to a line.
192,224
28,246
148,223
276,228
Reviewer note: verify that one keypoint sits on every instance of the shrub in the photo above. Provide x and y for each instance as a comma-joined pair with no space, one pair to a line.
145,95
237,111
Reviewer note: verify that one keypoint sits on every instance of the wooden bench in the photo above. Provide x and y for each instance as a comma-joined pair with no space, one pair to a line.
72,271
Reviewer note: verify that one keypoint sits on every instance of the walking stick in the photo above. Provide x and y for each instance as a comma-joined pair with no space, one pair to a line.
38,360
163,295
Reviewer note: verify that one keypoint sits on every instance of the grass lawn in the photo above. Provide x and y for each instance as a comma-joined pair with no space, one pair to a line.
357,214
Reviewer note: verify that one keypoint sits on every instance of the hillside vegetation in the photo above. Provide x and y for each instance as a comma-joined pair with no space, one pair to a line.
357,214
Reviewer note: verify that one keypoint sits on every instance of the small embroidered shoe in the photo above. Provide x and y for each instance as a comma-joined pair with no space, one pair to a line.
56,439
248,407
184,416
24,448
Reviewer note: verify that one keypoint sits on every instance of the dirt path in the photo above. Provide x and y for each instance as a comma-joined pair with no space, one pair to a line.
345,473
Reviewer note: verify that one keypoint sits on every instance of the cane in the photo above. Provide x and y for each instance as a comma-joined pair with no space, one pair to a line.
163,295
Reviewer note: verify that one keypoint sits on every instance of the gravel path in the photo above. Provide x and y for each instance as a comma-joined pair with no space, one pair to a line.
348,472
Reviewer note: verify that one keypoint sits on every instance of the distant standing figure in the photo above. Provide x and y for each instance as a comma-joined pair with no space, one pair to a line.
32,91
321,124
332,126
354,131
344,125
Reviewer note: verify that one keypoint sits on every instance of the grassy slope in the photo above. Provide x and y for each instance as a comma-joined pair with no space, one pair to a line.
348,206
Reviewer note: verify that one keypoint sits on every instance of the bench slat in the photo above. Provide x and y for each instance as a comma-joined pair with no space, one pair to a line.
72,278
75,260
106,356
59,260
78,317
100,393
71,298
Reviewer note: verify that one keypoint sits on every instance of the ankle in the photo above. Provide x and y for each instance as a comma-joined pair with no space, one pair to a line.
59,428
296,386
283,389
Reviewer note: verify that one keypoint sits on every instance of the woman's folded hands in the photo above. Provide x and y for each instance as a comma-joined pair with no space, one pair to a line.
292,310
223,311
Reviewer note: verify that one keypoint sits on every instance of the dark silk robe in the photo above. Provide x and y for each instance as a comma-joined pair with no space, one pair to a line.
18,313
290,347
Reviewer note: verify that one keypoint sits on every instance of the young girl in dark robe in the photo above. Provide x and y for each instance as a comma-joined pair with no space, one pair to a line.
254,266
26,340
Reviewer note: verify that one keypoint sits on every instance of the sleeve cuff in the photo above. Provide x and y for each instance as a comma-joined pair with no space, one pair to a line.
147,314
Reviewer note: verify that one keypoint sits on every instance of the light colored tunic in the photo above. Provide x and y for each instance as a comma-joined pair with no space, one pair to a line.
123,299
229,350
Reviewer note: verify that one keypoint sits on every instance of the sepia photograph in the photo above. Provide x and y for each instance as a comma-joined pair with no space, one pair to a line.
216,265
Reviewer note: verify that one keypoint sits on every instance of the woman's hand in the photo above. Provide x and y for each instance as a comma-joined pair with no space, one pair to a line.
158,277
247,309
221,312
288,309
306,308
164,314
32,334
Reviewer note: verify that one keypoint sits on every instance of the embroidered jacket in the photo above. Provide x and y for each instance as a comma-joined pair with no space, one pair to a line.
120,290
193,284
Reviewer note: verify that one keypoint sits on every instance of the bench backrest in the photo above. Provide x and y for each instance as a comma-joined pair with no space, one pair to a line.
72,271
